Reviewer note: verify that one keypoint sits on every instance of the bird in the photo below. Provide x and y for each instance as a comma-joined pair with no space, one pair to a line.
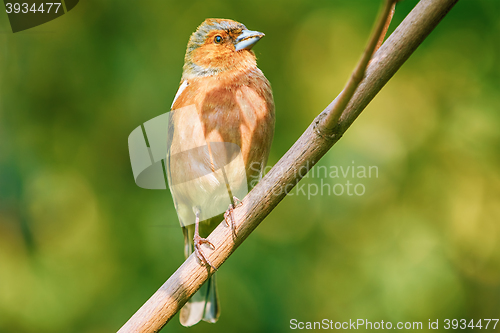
220,130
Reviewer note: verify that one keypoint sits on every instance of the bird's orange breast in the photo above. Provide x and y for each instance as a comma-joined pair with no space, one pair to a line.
234,107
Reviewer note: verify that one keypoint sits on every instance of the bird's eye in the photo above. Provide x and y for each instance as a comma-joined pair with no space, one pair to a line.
218,39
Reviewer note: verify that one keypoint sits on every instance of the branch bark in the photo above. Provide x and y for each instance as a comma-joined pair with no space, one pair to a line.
318,138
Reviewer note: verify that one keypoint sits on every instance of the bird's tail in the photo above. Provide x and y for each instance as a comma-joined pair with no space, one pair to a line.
203,305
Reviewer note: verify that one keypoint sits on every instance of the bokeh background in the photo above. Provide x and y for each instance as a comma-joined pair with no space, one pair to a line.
82,247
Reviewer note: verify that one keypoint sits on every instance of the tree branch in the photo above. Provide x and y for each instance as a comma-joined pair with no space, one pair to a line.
318,138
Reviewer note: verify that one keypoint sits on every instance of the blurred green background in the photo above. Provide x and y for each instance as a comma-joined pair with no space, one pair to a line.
82,247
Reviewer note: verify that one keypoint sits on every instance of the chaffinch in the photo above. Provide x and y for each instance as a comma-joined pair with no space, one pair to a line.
220,131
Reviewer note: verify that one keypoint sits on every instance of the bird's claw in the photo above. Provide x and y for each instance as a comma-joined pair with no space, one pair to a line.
198,241
229,214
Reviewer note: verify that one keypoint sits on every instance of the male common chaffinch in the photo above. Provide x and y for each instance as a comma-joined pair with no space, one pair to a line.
220,131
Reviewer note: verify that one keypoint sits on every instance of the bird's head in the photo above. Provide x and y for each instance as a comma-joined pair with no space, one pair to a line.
219,45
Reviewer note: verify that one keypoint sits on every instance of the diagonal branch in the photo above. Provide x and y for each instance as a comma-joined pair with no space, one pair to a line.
318,138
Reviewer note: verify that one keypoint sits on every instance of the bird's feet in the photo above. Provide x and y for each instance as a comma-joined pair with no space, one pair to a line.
198,241
229,214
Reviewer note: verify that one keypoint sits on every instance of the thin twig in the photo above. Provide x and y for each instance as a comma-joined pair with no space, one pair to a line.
308,149
335,109
386,27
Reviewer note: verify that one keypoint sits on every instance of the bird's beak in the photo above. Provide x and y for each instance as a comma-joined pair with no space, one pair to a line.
247,39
